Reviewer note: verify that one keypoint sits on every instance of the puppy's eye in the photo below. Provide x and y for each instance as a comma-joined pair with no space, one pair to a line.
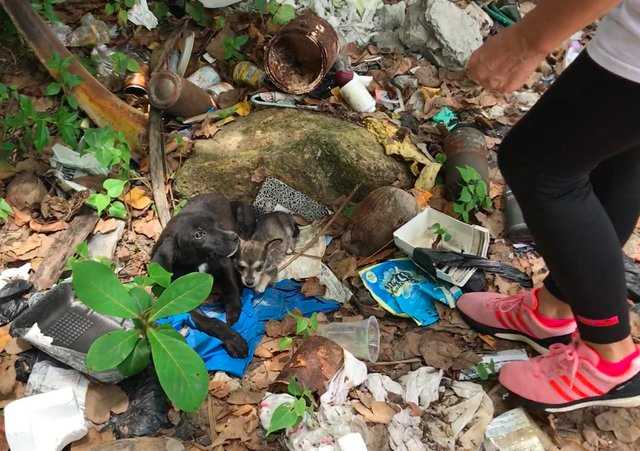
199,234
259,268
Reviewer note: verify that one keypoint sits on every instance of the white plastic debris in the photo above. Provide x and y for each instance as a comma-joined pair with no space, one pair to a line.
10,274
217,3
269,404
352,374
405,433
69,164
206,77
357,97
422,386
140,14
515,431
352,442
35,336
336,290
46,422
380,385
45,378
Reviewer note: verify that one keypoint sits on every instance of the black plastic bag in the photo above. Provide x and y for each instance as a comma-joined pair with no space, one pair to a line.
429,259
11,301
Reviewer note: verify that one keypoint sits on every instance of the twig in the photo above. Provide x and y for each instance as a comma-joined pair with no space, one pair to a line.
322,231
396,362
156,166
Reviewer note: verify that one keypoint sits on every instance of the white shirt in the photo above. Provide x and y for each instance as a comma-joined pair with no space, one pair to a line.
616,45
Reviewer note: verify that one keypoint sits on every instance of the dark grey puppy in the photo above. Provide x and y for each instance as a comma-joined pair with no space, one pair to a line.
259,258
203,237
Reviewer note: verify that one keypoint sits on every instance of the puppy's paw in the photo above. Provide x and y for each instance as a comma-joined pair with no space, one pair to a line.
233,314
236,346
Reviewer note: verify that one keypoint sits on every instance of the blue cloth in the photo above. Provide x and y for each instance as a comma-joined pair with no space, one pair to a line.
274,304
401,288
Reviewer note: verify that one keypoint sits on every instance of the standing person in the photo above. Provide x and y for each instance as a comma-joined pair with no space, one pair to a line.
573,163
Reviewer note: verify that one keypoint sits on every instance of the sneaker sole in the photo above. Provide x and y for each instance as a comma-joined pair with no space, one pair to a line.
541,345
625,395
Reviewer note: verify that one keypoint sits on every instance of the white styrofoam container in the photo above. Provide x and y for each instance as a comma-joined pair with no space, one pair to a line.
465,238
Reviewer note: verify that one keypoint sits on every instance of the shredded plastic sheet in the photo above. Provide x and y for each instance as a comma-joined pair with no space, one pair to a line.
447,117
402,289
140,14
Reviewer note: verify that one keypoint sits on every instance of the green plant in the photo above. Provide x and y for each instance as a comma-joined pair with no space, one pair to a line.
29,126
123,63
160,9
181,372
109,147
305,327
474,194
119,8
486,370
232,45
45,7
219,23
105,201
67,82
81,254
5,210
441,158
441,234
196,11
290,414
281,14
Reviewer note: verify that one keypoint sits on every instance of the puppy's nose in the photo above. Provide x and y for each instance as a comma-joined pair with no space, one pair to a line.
249,283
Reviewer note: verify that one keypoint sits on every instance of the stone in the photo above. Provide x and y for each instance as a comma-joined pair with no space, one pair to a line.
316,154
442,32
26,191
103,245
484,20
142,444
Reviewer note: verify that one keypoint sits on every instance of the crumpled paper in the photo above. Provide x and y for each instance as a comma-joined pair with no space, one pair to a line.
405,433
421,386
352,374
140,14
380,385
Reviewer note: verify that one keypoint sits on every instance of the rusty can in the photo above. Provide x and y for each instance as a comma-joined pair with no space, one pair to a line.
247,73
177,96
464,146
299,56
137,83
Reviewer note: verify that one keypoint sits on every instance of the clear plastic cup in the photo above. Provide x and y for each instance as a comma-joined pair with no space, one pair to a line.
361,338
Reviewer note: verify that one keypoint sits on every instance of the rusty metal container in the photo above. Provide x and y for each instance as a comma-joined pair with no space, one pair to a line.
177,96
137,83
464,146
301,54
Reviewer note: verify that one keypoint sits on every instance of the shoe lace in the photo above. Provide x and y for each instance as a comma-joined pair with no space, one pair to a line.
561,359
507,304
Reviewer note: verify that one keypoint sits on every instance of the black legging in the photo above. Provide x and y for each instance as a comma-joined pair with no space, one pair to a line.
573,163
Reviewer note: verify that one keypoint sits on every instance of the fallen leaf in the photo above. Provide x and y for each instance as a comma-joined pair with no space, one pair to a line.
21,248
267,347
622,422
440,350
102,399
7,375
20,217
93,439
17,345
345,268
207,129
137,198
380,412
505,286
48,228
422,197
105,226
243,108
312,288
494,222
17,393
5,337
489,340
241,397
221,385
149,228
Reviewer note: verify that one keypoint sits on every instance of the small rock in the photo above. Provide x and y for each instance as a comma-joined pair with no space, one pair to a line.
142,444
482,18
26,191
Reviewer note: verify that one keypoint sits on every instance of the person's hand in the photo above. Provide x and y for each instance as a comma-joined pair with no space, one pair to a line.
505,62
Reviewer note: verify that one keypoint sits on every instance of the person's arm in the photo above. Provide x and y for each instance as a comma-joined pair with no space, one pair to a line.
505,61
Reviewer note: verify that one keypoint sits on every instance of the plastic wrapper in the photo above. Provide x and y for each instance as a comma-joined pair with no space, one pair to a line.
91,32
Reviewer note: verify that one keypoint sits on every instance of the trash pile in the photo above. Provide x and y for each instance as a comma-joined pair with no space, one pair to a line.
349,149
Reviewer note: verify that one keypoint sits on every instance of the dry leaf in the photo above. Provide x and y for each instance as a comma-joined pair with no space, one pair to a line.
380,412
17,393
17,345
7,375
243,108
21,248
207,129
92,439
494,222
105,226
48,228
5,337
137,198
312,288
345,268
102,399
267,347
149,228
20,217
422,197
241,397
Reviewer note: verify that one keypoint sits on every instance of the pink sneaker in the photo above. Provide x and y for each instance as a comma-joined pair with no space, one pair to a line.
514,318
571,377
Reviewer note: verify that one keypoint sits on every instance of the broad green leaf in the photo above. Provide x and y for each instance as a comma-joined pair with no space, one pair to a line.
143,281
301,324
41,136
159,275
99,201
114,187
183,295
109,9
465,195
98,287
111,349
272,6
5,209
137,361
481,189
53,89
132,65
123,17
295,387
181,371
117,210
284,15
240,41
299,407
313,322
83,249
283,417
170,331
142,298
285,343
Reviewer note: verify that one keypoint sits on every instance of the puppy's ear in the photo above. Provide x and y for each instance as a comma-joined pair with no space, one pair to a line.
164,254
272,243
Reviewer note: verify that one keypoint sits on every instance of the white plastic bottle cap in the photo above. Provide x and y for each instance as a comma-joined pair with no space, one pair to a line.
357,97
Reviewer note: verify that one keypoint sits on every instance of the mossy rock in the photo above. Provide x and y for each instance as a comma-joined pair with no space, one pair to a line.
320,155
